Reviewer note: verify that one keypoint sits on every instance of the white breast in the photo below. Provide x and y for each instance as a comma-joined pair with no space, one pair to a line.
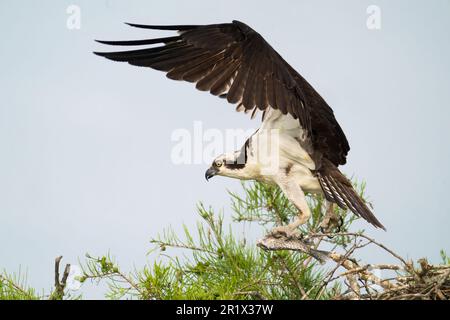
279,147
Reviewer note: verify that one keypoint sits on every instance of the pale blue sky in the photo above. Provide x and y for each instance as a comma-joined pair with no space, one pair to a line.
85,143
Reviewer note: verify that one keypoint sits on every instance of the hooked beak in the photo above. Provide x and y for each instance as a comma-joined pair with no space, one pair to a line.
211,172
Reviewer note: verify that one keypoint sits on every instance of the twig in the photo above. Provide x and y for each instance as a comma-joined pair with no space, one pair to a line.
370,267
341,261
180,246
352,234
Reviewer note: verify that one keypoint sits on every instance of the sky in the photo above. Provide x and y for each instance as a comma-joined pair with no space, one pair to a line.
86,144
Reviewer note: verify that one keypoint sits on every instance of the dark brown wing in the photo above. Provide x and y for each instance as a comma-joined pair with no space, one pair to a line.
232,60
328,138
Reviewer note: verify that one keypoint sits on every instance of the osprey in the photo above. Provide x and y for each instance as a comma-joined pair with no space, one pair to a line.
299,145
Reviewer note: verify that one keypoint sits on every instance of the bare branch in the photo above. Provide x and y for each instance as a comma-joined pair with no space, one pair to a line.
58,293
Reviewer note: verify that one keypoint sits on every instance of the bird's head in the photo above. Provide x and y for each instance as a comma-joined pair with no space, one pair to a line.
231,165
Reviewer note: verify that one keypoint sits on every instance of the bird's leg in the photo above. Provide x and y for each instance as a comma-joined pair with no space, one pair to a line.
331,220
295,194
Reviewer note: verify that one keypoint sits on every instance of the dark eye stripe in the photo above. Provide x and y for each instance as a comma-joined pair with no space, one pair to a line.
235,166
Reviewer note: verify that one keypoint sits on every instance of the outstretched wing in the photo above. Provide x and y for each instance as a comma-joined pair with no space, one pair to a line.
233,61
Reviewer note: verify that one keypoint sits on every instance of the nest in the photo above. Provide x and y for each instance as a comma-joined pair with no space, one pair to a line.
428,283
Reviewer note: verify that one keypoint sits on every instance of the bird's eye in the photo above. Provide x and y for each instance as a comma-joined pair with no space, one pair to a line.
218,163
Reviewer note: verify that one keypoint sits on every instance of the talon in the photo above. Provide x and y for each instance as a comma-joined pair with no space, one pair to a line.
328,229
325,232
341,224
307,240
325,228
286,232
331,222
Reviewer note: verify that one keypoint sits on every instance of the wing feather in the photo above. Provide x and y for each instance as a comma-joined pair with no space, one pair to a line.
233,61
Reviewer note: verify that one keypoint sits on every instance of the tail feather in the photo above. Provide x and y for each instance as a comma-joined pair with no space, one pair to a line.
338,189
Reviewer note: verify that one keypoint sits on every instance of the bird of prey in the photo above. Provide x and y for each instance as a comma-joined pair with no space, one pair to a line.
233,61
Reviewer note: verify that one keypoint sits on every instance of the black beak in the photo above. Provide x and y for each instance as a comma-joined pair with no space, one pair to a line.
211,172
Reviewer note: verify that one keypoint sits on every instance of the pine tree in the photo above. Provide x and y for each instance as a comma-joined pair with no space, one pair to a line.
214,262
